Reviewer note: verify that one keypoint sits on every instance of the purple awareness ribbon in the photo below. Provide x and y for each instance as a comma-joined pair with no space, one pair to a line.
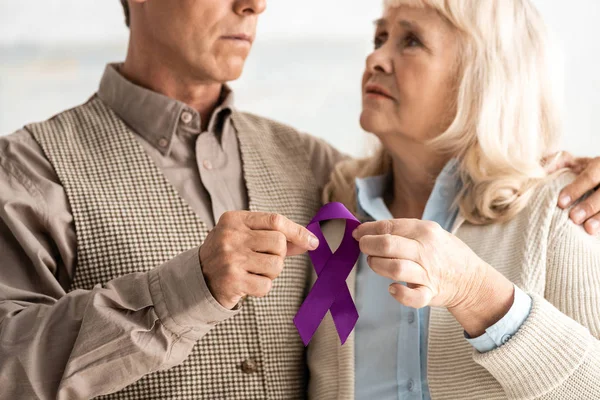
330,291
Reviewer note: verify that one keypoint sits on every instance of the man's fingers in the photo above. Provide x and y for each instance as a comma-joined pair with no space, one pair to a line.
398,270
294,233
268,242
586,181
586,209
257,285
579,165
556,161
266,265
274,242
294,250
592,225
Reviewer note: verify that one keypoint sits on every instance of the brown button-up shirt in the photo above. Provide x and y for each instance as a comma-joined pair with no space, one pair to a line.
42,351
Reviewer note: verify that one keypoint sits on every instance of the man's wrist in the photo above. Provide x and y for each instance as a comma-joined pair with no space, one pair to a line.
181,298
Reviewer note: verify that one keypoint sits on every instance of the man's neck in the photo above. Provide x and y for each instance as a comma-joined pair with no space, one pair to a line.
153,73
415,169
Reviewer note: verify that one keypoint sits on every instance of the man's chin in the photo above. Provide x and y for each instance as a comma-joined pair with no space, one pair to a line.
230,71
220,77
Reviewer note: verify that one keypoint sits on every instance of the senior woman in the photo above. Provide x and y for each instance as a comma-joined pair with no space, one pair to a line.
463,213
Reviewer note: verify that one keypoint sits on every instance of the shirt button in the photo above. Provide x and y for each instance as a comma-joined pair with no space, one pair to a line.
163,142
249,366
186,117
505,338
411,317
411,385
207,164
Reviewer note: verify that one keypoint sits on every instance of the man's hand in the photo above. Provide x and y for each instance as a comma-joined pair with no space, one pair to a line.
244,253
587,213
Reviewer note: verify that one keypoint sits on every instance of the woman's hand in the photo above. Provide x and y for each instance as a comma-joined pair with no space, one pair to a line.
439,269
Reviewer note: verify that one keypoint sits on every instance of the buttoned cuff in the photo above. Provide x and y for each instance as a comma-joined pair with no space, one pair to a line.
182,299
501,332
541,356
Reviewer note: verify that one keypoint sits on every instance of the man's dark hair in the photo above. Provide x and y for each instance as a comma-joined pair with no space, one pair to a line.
126,11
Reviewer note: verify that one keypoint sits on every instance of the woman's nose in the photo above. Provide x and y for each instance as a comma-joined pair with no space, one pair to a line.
379,62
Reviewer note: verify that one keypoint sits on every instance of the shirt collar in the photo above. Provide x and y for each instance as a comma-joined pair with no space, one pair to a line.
370,192
154,116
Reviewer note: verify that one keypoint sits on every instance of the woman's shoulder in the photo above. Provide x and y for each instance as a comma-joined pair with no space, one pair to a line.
543,211
540,220
557,182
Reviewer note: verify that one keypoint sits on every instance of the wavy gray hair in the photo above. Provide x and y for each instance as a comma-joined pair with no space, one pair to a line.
508,114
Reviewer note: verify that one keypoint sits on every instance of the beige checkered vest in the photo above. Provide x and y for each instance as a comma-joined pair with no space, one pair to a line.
128,218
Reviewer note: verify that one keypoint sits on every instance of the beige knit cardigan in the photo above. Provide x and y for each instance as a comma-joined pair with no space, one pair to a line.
554,355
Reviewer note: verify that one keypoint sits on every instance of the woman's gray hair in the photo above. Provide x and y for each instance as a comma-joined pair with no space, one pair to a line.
508,116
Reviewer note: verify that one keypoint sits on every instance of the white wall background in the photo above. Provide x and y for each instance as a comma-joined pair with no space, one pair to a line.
305,68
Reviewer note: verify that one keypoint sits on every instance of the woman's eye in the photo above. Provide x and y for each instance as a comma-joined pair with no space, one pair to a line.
378,41
412,41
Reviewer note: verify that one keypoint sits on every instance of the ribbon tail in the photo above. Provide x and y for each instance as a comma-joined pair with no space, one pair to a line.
319,300
309,317
345,314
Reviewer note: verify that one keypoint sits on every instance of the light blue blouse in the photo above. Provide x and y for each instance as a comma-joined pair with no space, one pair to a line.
391,339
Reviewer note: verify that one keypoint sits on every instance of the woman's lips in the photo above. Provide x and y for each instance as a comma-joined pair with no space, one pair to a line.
376,91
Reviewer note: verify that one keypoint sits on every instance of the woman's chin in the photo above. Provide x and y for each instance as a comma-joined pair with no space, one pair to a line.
373,121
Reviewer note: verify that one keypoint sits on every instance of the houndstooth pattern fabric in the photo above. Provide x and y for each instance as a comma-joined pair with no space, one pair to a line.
128,218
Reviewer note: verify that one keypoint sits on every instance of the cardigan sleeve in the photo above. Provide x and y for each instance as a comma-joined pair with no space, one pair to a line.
556,353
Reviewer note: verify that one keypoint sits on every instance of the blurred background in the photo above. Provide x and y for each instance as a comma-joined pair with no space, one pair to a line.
305,68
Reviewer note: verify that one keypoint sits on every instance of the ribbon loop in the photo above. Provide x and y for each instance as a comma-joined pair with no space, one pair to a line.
330,292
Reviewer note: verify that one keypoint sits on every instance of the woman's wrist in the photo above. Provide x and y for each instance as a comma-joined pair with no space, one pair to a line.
490,297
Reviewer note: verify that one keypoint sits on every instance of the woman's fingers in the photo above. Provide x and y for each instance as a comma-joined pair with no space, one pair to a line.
390,246
399,270
415,297
409,228
417,293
